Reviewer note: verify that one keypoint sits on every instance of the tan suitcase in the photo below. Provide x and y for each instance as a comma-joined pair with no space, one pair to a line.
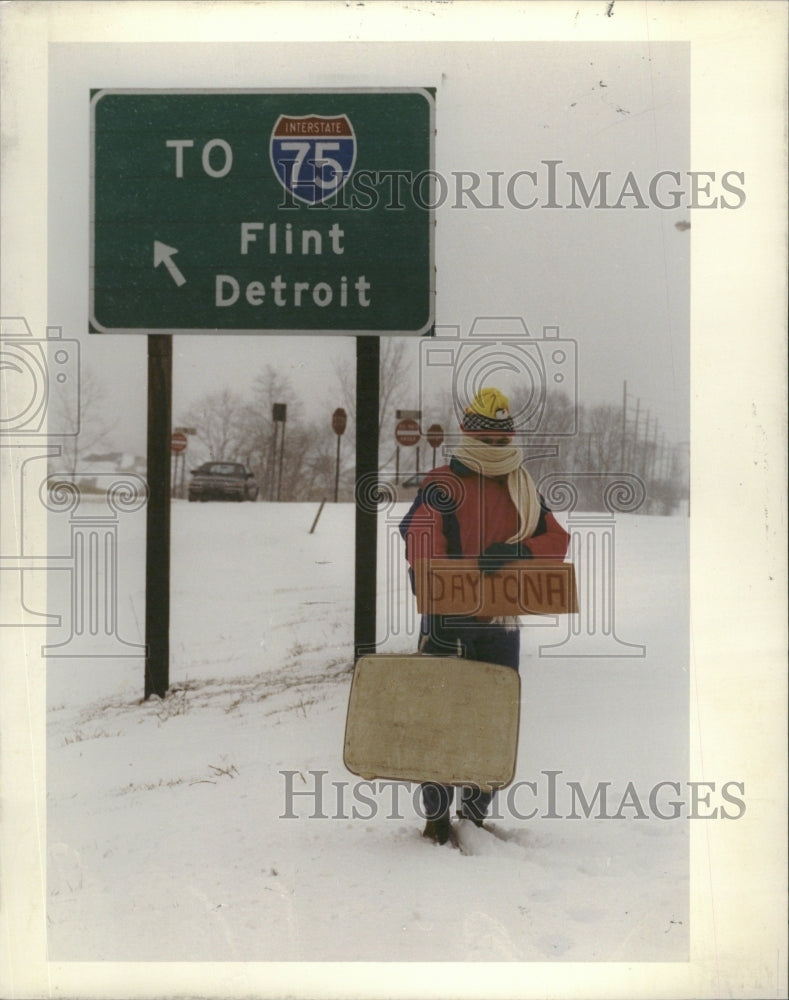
433,718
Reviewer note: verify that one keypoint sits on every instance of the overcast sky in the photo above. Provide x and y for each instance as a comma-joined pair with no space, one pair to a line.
614,281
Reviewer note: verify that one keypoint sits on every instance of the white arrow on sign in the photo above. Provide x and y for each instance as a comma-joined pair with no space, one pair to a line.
162,254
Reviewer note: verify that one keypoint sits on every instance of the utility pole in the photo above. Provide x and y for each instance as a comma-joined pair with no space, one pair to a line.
645,462
654,465
624,421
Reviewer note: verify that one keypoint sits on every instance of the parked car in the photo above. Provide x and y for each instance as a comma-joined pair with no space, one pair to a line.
222,481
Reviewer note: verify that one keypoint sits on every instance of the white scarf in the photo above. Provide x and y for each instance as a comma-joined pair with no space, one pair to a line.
491,460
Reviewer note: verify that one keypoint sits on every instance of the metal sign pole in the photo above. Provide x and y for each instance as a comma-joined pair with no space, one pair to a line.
337,471
272,462
157,547
339,420
367,398
281,459
279,414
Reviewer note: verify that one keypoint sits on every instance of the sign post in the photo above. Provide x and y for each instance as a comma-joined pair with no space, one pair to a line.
339,421
260,211
178,443
279,413
435,438
368,355
157,539
407,433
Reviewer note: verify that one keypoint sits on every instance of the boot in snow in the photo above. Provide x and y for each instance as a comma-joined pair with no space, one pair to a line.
439,830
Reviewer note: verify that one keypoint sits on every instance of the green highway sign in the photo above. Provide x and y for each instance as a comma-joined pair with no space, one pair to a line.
269,211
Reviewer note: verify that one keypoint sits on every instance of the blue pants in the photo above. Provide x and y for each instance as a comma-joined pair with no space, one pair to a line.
451,636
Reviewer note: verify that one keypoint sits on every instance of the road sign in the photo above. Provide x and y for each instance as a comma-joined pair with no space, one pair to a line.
408,414
407,432
435,435
262,211
178,442
339,421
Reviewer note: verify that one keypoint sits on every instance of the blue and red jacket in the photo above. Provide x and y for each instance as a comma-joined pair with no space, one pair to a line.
459,513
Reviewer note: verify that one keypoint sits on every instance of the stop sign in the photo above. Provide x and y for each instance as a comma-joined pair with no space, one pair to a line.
339,419
178,442
407,432
435,435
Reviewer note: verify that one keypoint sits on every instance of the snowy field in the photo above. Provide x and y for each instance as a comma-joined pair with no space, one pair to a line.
171,835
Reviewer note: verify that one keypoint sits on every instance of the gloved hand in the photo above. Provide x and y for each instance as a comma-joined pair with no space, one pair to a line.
500,553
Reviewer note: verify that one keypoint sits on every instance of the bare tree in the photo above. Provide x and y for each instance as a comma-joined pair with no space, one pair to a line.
309,467
395,366
604,423
84,430
263,437
219,420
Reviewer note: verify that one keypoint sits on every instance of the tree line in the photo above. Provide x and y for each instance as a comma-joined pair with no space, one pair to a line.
297,461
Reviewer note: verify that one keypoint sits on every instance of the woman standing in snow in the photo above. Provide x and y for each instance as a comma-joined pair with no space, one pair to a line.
484,504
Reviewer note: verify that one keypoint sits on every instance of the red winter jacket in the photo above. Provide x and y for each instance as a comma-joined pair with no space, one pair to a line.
460,513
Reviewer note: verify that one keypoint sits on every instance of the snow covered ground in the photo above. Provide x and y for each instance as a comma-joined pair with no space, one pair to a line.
192,828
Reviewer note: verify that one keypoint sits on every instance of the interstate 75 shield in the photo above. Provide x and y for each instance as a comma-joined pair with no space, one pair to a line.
313,155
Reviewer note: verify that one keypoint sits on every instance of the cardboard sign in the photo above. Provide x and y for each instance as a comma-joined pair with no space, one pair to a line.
522,587
433,718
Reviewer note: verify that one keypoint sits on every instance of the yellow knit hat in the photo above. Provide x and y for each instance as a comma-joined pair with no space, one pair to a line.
489,410
488,402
